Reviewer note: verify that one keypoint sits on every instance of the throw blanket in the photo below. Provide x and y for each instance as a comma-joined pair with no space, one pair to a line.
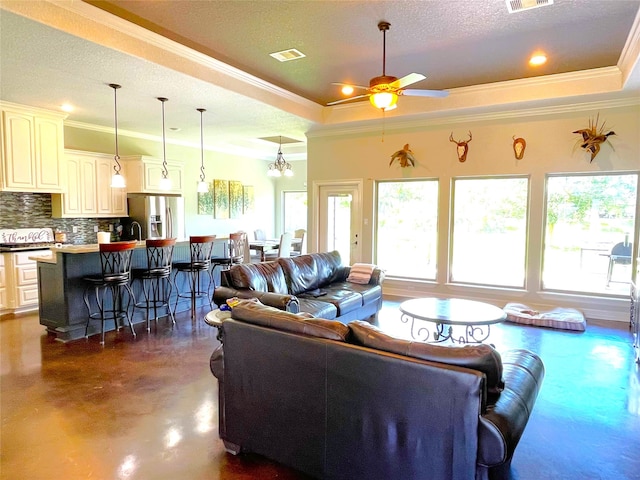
360,273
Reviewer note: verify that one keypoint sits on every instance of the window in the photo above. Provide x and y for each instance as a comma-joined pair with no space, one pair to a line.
294,211
489,231
407,228
587,216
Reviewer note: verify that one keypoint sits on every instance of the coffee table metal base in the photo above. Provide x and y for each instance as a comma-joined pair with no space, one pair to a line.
442,332
454,319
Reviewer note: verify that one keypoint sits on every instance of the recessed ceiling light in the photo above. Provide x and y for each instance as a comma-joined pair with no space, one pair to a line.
175,129
347,90
66,107
286,55
537,59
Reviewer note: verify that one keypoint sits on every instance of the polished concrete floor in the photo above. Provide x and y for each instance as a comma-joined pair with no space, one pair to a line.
147,408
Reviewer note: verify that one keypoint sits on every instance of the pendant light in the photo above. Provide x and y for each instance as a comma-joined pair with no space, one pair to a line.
117,180
202,185
280,166
165,182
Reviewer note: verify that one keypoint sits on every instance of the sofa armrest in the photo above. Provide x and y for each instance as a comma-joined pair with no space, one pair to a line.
502,425
281,301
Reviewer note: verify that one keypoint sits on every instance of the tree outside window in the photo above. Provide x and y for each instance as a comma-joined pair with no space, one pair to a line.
490,231
407,228
587,215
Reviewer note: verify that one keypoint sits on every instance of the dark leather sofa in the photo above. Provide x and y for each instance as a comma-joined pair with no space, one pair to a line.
349,402
315,283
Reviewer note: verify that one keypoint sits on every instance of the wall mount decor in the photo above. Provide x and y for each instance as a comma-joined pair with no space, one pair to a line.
462,147
593,136
519,144
404,156
221,199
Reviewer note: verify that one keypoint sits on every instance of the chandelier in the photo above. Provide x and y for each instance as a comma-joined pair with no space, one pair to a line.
280,166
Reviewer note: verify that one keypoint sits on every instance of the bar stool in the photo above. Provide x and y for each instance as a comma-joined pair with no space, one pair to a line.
238,249
156,278
115,261
200,248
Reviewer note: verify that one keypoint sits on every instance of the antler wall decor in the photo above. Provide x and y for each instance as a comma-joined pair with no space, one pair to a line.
462,147
593,136
519,144
404,156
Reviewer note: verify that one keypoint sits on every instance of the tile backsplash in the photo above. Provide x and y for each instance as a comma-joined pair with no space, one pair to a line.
33,210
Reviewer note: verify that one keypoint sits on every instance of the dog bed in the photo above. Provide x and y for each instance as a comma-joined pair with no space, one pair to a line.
562,318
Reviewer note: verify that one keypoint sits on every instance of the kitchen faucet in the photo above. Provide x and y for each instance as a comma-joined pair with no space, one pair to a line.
133,224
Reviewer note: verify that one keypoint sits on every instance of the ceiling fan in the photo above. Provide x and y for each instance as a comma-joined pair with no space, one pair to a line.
383,91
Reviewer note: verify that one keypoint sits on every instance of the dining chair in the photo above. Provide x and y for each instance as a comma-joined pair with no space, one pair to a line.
284,248
259,235
296,247
235,251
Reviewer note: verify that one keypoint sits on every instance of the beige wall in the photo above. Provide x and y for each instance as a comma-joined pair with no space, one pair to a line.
551,147
217,166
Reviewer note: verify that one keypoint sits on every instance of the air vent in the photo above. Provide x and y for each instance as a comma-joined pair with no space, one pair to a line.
286,55
277,139
519,5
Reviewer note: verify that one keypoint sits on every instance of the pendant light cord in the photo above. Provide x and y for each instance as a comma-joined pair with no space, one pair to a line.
201,110
115,87
164,142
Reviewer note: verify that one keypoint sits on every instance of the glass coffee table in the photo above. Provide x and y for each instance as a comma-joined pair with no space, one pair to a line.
455,319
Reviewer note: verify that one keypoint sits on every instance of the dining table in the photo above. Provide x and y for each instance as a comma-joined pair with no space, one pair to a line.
262,246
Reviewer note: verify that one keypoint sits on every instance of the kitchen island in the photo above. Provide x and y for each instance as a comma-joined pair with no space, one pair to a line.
61,287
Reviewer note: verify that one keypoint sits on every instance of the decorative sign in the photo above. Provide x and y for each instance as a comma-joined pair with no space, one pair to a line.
26,235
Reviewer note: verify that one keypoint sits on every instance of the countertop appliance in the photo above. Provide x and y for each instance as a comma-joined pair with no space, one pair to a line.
158,216
24,239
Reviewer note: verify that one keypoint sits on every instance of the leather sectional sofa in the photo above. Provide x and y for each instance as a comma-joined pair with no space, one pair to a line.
348,402
315,283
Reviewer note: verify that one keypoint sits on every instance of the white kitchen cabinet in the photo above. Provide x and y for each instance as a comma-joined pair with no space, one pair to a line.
89,193
143,175
32,149
21,281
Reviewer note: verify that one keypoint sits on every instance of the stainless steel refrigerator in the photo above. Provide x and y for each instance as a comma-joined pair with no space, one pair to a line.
158,216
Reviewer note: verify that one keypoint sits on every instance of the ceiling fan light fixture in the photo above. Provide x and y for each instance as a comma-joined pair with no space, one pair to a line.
383,100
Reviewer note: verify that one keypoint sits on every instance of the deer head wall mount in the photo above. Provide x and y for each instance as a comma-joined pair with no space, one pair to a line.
462,147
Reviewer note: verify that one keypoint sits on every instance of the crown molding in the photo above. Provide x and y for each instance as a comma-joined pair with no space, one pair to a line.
629,58
246,152
435,119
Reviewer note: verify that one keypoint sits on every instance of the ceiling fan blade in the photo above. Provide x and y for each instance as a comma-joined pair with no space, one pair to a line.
414,92
350,85
347,99
407,80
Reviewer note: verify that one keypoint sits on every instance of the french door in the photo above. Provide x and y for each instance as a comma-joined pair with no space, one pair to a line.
339,219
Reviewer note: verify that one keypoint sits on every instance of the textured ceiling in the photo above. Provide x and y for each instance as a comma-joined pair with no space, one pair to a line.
54,51
454,43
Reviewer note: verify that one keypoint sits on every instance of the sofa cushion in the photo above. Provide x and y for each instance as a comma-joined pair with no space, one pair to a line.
262,277
330,268
344,299
317,308
481,357
301,273
370,293
256,313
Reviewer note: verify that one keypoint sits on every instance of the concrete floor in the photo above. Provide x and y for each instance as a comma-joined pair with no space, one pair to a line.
147,408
